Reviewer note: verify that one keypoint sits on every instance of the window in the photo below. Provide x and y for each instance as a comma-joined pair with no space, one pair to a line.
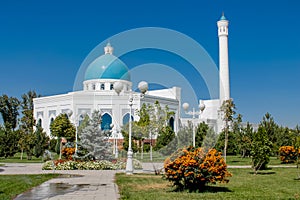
111,86
171,123
39,123
94,87
126,119
102,86
106,122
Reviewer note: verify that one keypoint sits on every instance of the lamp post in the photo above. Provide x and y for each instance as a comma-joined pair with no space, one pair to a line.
76,120
193,113
115,135
143,87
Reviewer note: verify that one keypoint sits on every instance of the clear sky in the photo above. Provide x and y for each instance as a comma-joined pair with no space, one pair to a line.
43,43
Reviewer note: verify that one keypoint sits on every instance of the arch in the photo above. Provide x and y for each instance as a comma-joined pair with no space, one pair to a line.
39,122
171,123
126,118
80,119
106,122
102,87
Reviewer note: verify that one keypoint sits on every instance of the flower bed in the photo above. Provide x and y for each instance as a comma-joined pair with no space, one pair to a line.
88,165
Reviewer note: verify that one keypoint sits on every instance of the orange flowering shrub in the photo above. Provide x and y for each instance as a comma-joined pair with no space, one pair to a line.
288,154
68,153
192,168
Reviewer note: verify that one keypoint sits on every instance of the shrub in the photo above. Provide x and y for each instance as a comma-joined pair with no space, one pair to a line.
68,153
288,154
193,169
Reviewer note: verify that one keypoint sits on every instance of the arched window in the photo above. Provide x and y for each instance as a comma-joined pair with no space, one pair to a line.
106,122
80,119
126,119
102,86
171,123
39,123
94,87
111,86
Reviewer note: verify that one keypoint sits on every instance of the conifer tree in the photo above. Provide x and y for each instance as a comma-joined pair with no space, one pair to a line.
94,140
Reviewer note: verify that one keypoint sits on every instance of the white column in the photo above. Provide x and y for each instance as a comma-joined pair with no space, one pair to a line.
223,59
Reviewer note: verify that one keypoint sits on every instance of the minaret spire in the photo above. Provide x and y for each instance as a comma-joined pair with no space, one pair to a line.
223,58
108,49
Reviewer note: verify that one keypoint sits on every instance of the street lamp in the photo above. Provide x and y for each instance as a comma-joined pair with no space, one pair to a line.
115,135
76,120
193,113
143,87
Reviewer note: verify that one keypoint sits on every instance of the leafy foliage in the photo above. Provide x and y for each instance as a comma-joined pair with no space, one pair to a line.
41,142
228,112
94,140
8,142
193,168
260,150
288,154
9,109
62,127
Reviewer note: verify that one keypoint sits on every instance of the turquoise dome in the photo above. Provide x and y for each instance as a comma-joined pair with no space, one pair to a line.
107,66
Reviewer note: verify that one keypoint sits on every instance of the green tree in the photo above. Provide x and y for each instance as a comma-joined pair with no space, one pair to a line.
260,149
228,112
27,120
271,129
245,140
166,135
62,127
95,140
41,142
184,136
9,108
8,142
201,132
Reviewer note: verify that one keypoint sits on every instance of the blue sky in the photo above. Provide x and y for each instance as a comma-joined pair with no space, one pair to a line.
42,45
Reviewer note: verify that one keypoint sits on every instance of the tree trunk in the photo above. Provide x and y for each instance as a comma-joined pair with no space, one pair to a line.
21,154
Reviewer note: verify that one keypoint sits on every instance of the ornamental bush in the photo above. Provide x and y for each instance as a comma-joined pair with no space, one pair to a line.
288,154
88,165
193,168
68,153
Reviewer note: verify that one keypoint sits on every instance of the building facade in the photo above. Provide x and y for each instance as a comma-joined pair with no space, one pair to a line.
99,93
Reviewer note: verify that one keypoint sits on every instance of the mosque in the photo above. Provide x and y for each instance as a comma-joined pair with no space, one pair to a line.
107,87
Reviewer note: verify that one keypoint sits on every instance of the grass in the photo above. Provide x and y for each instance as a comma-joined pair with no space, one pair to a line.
277,183
12,185
17,159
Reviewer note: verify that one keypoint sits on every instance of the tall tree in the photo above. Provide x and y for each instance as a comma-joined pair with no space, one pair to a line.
9,108
260,149
272,131
94,140
8,142
228,111
41,142
27,120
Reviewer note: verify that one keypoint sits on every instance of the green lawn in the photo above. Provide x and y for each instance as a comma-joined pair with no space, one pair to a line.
17,159
12,185
277,183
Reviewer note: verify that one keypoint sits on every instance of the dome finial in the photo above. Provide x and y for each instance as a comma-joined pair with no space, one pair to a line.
108,49
223,16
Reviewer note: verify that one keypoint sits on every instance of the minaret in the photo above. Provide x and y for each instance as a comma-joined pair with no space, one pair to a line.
223,59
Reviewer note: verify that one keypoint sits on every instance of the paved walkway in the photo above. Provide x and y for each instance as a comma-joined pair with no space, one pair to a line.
80,185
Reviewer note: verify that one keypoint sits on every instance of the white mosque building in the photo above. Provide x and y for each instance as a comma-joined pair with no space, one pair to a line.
99,93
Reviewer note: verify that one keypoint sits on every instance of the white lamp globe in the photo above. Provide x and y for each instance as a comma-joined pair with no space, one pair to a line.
118,87
185,106
143,87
